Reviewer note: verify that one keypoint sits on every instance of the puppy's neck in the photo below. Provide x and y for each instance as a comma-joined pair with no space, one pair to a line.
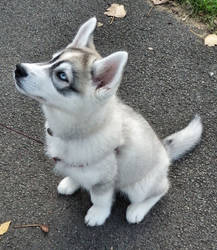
67,126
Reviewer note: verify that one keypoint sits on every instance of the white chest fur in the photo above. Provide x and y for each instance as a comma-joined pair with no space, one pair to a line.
82,151
88,149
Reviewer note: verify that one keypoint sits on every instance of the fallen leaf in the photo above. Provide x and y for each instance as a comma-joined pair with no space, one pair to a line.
157,2
99,24
4,227
44,228
211,40
116,10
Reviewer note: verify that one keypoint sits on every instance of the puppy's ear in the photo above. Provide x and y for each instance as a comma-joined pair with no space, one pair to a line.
107,73
84,36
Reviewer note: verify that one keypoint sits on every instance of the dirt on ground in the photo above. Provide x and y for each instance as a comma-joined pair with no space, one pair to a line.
184,14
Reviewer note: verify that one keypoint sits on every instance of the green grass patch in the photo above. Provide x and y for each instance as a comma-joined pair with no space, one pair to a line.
205,9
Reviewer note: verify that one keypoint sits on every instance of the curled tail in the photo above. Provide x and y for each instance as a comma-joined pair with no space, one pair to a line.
184,140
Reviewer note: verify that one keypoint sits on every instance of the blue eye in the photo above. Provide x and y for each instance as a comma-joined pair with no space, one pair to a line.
62,76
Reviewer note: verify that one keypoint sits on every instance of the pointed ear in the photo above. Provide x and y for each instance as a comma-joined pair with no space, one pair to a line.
107,72
84,36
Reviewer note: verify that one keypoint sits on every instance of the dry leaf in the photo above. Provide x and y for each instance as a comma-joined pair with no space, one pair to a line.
116,10
157,2
44,228
99,24
210,40
4,227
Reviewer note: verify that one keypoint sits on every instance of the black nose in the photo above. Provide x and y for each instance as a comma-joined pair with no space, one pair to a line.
20,71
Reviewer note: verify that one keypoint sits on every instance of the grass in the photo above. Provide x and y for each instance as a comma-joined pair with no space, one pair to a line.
205,9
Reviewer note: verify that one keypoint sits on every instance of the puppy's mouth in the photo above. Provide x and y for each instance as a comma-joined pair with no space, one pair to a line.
23,91
18,83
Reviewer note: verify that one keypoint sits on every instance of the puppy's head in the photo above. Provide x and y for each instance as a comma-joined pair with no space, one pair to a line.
76,78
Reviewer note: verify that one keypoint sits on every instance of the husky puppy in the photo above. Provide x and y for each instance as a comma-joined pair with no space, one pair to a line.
98,142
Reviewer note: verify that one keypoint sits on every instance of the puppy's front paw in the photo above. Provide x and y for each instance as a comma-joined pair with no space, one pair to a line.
135,213
96,215
67,186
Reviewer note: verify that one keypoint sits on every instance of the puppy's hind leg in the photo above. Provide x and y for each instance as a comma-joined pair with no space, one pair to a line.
143,197
67,186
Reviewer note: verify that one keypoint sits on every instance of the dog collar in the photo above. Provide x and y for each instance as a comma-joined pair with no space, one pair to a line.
56,159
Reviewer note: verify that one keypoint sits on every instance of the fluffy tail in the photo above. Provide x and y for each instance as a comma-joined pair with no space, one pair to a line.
184,140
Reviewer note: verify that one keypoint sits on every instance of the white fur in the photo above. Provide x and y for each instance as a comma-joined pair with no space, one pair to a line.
67,186
101,208
83,36
104,145
184,140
